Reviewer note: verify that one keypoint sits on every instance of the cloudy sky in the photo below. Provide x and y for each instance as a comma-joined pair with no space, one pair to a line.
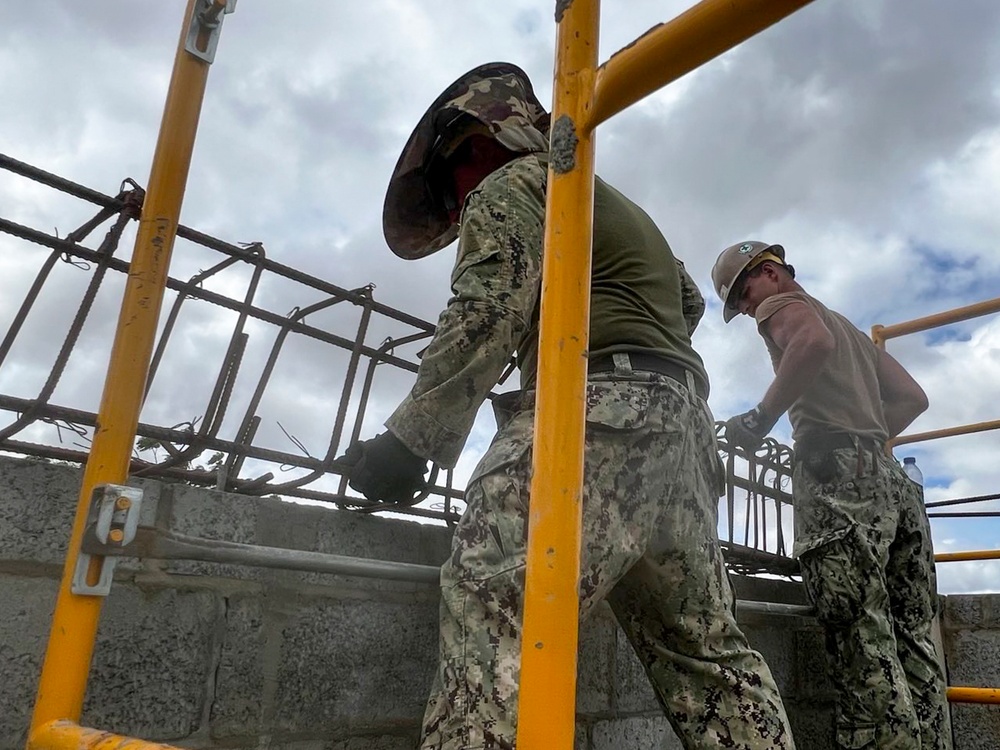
863,135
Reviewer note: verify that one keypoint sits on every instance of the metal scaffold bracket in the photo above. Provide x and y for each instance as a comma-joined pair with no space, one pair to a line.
113,519
206,25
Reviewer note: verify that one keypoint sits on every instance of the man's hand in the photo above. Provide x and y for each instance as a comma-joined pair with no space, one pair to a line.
749,429
384,470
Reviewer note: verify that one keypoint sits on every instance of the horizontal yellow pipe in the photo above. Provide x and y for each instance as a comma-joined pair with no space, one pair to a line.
968,429
973,695
674,49
65,735
986,554
957,315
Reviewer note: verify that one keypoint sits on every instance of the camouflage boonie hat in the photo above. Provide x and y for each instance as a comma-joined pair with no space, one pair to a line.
499,95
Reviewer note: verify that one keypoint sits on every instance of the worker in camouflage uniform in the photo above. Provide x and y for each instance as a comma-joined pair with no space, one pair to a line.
475,168
861,532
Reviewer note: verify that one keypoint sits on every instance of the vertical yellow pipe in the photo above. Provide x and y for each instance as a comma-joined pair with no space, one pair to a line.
547,705
63,680
878,336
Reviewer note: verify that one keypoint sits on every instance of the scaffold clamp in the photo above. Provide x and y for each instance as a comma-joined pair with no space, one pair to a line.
112,523
206,25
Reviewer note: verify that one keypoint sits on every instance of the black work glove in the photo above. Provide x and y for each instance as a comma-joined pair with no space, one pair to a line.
749,429
384,470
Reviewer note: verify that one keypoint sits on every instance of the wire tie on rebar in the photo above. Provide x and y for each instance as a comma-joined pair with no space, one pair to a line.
298,444
61,424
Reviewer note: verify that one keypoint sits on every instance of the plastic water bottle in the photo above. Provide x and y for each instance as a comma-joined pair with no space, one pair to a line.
912,471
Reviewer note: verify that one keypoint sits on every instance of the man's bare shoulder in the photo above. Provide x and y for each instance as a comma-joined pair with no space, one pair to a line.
777,302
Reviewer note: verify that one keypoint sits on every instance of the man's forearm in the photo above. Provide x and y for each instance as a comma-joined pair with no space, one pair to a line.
464,361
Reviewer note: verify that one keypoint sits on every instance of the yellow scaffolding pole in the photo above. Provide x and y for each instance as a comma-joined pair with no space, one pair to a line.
583,98
967,429
881,334
63,679
547,698
968,556
974,695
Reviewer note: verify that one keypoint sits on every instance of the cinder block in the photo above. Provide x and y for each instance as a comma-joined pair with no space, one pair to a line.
768,589
338,532
344,533
399,739
812,725
379,742
776,645
209,514
812,668
238,703
632,692
973,658
354,661
596,659
152,663
212,514
975,727
272,522
963,611
38,502
635,733
26,606
37,509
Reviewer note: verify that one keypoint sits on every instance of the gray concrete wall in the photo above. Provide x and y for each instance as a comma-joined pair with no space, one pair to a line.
221,656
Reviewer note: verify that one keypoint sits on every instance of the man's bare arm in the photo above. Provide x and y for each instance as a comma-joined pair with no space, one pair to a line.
806,343
903,400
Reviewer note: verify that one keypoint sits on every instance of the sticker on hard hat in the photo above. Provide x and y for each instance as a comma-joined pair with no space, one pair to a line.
744,249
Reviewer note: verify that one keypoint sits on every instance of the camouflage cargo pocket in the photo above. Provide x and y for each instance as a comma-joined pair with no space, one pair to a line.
857,738
822,466
617,405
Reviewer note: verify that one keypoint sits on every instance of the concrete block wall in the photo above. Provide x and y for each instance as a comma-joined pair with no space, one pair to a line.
221,656
971,634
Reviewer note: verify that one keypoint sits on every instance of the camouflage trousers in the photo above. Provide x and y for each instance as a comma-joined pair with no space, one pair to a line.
649,546
864,544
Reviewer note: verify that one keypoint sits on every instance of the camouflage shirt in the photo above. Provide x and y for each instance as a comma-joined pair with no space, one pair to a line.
495,282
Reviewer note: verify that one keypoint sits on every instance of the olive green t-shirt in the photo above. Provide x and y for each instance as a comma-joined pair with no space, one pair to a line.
635,297
845,395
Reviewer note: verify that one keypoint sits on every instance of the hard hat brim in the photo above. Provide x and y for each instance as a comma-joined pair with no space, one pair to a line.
726,285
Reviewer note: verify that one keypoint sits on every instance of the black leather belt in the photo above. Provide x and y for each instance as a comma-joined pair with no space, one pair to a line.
825,442
651,363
